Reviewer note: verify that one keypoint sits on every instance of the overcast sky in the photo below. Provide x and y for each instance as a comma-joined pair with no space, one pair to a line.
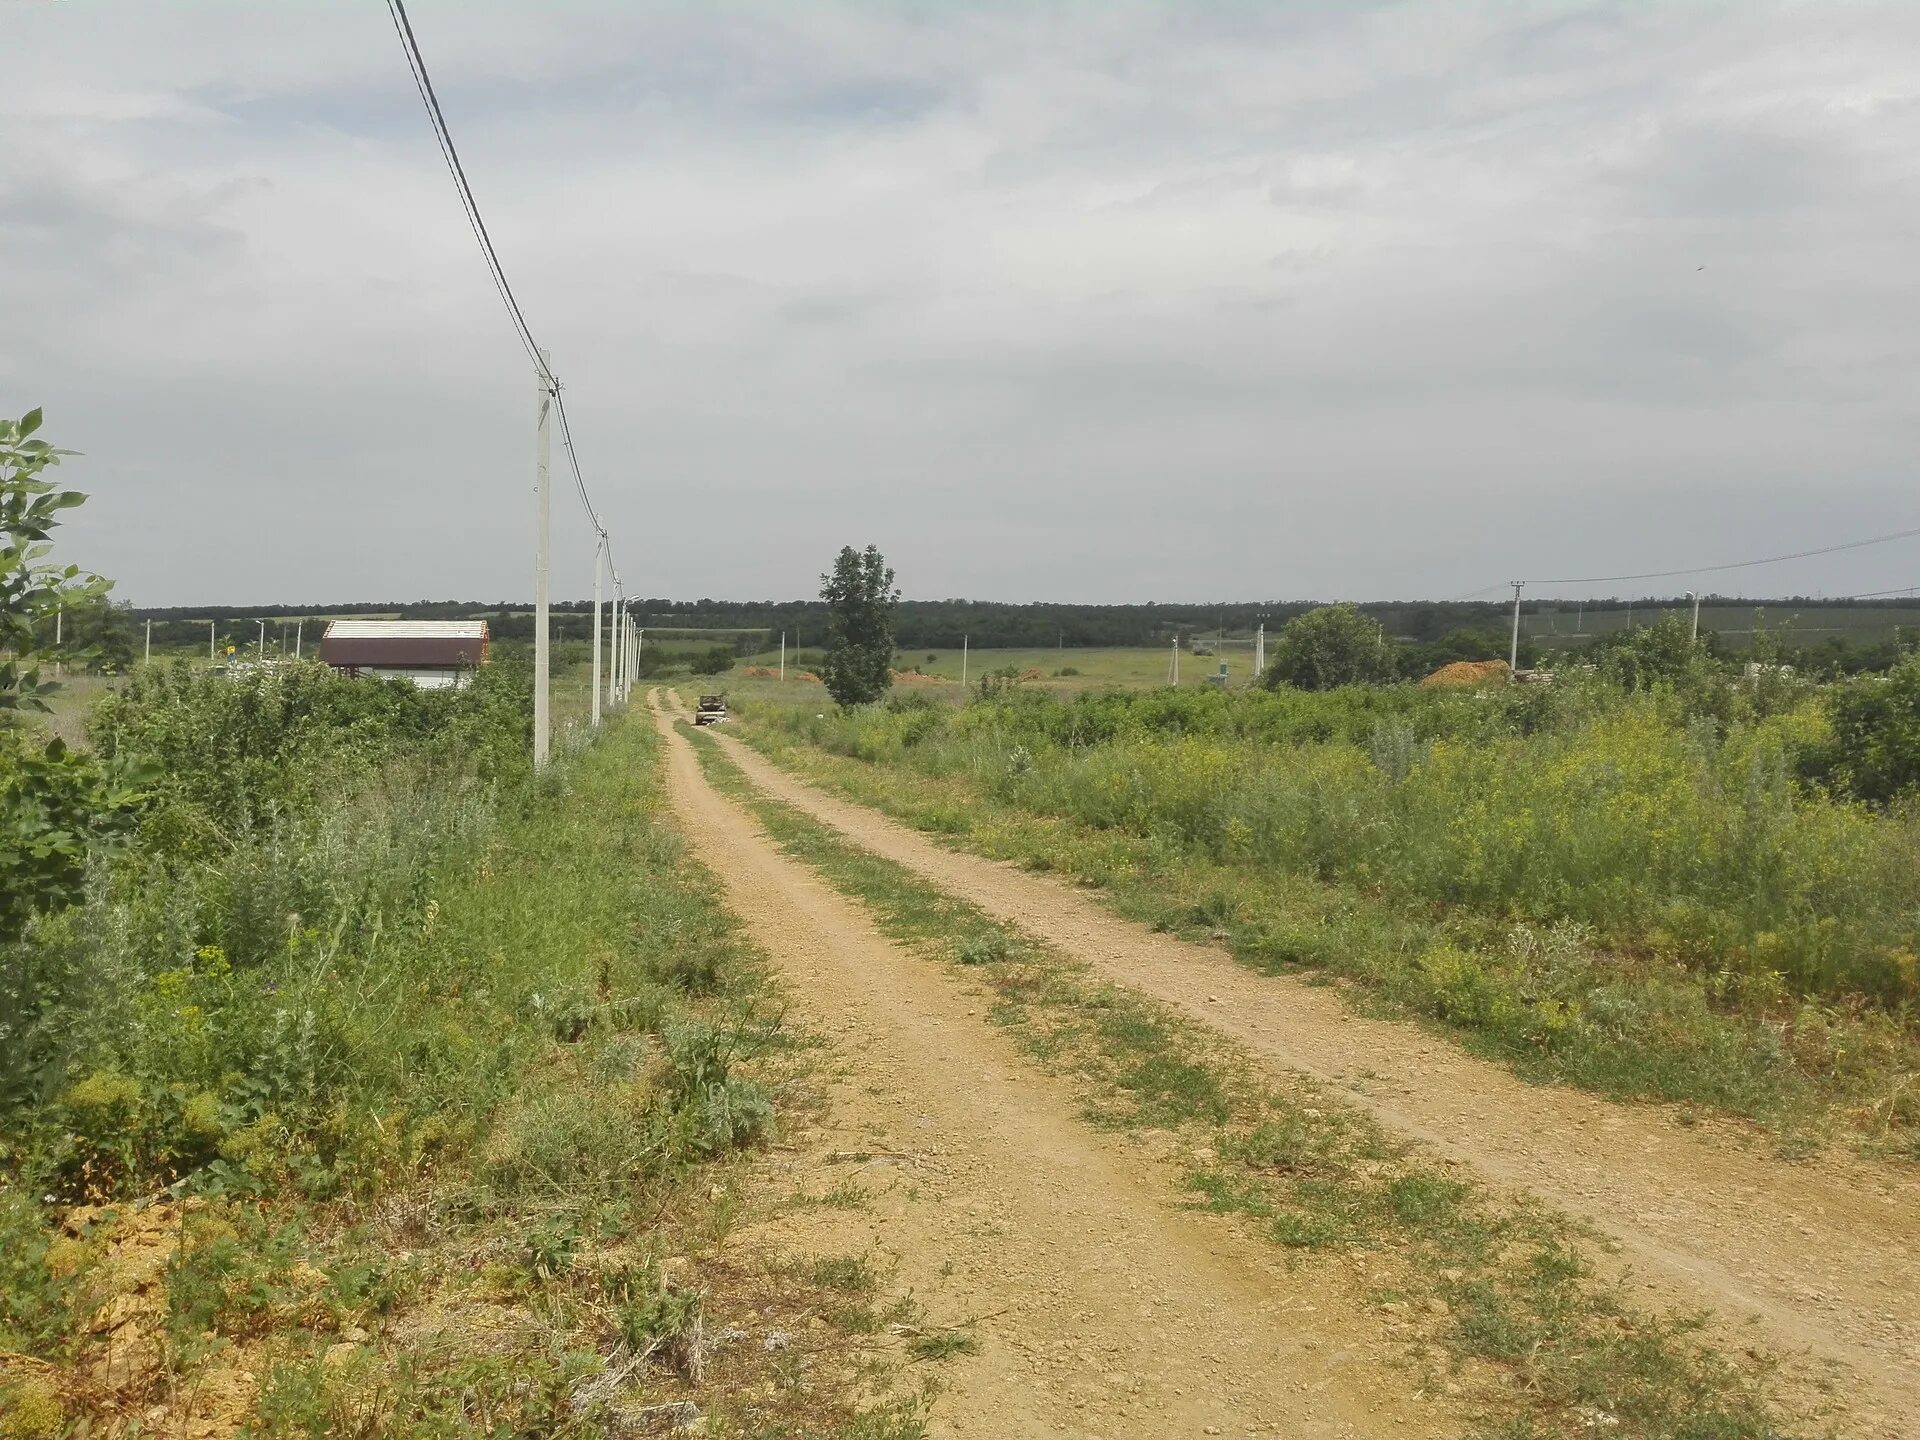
1100,302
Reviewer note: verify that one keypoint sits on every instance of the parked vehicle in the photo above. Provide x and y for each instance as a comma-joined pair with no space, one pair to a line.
711,710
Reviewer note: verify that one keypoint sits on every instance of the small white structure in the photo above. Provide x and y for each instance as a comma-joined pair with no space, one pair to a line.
433,654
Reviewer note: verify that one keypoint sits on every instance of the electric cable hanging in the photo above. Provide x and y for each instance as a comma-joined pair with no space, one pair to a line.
1735,565
423,82
1700,569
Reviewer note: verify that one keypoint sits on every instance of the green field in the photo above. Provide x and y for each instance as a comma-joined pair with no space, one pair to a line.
1858,624
1089,669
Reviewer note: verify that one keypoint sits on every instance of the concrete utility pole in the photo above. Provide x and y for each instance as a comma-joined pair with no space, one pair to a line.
1173,665
613,648
210,625
299,630
1260,650
542,459
963,660
599,559
783,656
1513,654
1694,596
59,624
149,654
261,644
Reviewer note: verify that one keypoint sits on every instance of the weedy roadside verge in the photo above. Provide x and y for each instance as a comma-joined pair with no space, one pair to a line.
1546,999
1495,1300
498,1202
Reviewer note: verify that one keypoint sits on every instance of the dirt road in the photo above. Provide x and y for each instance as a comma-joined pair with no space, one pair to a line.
1112,1315
1818,1258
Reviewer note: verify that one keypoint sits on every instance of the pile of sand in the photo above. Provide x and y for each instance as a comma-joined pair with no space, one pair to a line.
910,677
760,672
1468,672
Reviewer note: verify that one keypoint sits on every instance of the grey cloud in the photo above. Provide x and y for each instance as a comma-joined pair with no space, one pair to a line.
1063,301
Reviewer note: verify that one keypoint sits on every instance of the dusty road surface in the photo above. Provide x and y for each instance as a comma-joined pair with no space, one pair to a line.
1822,1259
1109,1314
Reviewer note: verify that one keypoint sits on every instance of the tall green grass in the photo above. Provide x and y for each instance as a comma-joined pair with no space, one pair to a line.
380,962
1679,836
1638,891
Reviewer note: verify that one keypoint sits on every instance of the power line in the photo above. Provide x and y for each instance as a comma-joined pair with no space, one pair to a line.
579,483
1735,565
1474,594
423,82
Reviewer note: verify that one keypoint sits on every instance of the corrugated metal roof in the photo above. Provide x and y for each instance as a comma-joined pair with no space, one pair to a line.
406,629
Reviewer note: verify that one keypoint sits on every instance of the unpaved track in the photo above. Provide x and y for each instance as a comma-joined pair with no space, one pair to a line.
1112,1315
1822,1258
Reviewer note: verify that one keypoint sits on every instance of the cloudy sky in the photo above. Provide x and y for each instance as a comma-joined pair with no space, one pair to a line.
1102,301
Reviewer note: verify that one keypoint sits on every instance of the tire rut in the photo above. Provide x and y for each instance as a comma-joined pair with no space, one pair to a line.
1821,1258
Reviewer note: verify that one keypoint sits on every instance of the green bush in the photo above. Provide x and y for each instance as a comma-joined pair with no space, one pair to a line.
1875,754
1329,647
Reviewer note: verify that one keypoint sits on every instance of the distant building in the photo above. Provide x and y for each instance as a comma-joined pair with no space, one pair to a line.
433,654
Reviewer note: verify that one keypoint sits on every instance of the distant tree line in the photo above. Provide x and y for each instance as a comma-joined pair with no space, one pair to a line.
1422,635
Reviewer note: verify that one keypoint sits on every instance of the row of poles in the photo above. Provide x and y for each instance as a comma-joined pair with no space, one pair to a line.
1513,651
618,637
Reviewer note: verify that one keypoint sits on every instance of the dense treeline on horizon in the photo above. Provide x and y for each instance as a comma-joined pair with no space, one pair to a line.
993,624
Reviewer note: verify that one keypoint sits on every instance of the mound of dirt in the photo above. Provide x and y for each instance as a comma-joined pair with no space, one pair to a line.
910,677
1468,672
807,675
760,672
1031,674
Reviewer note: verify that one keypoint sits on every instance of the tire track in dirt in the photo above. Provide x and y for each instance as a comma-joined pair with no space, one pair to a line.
1820,1258
1114,1316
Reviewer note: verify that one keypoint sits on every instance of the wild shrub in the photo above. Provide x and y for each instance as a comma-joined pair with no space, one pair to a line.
984,949
1875,749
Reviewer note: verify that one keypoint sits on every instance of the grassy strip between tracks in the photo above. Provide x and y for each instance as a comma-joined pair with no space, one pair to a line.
525,1231
1498,1307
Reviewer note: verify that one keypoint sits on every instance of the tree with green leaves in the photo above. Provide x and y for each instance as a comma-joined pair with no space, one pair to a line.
54,804
861,599
1332,646
31,589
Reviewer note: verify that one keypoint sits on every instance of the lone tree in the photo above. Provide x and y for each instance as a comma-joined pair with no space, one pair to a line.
860,600
1331,646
